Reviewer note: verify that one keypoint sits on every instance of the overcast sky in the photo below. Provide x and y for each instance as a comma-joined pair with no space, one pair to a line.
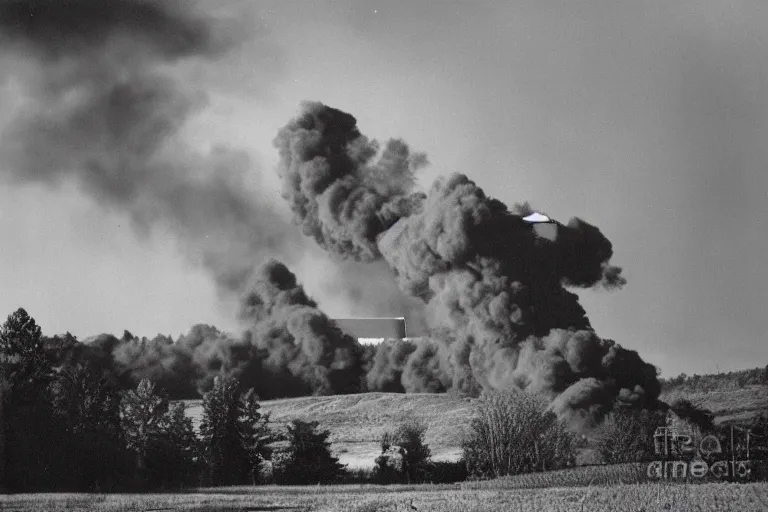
647,119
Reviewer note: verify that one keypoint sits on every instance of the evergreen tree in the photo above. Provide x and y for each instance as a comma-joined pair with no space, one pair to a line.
175,454
234,433
27,431
87,409
23,361
309,459
159,435
254,430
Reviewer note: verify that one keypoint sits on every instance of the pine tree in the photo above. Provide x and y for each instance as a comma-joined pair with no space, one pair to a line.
26,426
254,430
309,459
160,436
23,361
176,452
88,411
234,433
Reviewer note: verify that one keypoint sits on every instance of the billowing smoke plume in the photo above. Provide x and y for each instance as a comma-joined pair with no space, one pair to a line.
496,288
298,339
338,194
290,349
385,370
103,103
104,108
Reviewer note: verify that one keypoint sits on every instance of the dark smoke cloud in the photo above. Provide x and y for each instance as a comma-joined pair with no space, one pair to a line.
291,348
106,109
106,106
339,195
385,370
368,290
56,29
496,288
297,338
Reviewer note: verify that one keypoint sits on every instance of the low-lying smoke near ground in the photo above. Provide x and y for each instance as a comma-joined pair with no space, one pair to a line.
289,349
103,107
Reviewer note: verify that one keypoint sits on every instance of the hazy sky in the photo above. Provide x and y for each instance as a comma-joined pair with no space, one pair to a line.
647,119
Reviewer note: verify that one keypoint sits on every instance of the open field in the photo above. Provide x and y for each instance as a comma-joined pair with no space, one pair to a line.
728,405
443,498
357,422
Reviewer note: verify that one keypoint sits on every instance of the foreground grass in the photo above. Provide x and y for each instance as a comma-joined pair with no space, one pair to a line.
649,497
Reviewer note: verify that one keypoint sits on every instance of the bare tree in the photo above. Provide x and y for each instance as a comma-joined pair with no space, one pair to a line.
515,432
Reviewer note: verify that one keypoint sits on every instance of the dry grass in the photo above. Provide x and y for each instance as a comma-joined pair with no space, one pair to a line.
737,405
357,422
652,497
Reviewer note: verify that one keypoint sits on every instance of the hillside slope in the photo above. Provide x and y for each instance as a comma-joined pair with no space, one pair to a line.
357,422
738,406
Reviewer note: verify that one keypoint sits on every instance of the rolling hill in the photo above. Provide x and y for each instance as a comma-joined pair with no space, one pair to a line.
356,422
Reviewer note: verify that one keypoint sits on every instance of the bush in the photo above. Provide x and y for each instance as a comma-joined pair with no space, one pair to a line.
627,435
404,454
515,432
444,472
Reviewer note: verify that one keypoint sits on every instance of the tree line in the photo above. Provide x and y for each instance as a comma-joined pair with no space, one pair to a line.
68,428
721,381
65,426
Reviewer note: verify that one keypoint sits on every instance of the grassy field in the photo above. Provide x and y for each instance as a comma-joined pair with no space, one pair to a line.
728,405
357,422
491,497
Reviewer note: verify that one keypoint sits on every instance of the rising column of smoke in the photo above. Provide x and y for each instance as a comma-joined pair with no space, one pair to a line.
498,288
338,194
104,108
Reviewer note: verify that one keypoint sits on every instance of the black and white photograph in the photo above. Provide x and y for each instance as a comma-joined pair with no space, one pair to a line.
384,256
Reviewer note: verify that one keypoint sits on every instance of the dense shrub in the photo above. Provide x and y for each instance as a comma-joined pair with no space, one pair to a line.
627,435
404,454
515,432
444,472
